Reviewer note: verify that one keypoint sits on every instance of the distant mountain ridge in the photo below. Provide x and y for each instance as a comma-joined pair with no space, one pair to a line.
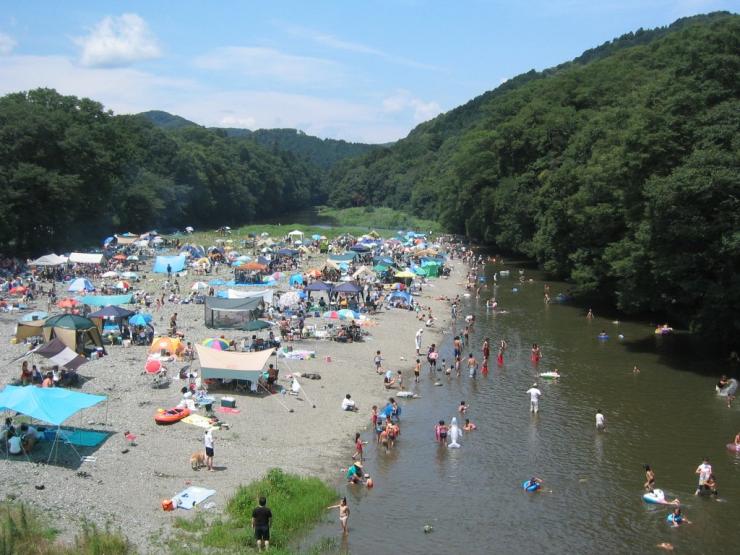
324,153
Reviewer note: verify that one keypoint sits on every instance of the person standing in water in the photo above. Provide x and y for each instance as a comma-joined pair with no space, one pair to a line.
590,314
486,350
343,514
534,398
704,470
472,366
649,479
600,421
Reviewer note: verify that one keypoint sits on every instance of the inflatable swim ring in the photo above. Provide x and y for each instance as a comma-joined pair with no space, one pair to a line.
549,375
170,416
602,337
673,519
656,497
527,486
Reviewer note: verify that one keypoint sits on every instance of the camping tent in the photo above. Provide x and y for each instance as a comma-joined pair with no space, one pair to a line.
231,365
33,328
81,284
86,258
318,285
232,313
49,260
75,332
52,405
296,235
58,353
176,263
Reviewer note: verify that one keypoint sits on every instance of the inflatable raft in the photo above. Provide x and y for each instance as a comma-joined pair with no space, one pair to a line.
549,375
655,497
529,486
170,416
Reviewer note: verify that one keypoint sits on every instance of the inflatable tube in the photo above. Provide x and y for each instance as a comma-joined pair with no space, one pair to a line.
656,497
673,519
453,445
170,416
406,394
526,486
549,375
734,447
602,337
729,389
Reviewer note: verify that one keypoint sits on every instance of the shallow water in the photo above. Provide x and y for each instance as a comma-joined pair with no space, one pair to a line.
667,415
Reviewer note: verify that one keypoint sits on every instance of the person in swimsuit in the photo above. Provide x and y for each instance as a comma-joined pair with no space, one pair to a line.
440,432
486,350
343,514
417,370
469,426
462,409
649,478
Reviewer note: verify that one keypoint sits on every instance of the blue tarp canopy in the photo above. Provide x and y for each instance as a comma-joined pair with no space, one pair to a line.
52,405
177,264
318,285
296,279
106,300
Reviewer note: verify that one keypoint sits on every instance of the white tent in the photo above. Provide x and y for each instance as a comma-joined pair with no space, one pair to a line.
86,258
49,260
296,235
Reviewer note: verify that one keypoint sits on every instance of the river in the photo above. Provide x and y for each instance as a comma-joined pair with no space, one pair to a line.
667,415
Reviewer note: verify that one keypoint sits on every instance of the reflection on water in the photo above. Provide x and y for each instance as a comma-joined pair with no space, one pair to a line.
591,502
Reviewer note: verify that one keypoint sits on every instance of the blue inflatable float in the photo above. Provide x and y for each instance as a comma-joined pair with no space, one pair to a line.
530,486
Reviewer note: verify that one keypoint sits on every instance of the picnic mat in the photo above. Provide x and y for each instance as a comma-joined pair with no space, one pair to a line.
197,420
228,410
82,438
189,498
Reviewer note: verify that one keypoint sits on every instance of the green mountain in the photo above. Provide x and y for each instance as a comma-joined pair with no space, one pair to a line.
617,171
324,153
165,120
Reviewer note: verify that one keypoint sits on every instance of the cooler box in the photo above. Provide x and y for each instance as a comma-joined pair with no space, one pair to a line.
229,402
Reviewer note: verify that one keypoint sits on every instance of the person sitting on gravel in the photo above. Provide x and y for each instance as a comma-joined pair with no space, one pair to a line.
29,436
348,404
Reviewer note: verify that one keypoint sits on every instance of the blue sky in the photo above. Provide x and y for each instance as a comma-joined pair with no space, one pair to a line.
362,71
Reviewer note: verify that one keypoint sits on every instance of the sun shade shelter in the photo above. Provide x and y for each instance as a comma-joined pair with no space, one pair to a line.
106,300
76,332
52,405
86,258
229,365
232,313
49,260
61,355
176,264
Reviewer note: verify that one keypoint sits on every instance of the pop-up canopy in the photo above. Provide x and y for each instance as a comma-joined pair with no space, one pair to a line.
53,405
232,365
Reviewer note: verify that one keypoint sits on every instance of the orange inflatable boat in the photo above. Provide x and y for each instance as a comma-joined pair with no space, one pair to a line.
170,416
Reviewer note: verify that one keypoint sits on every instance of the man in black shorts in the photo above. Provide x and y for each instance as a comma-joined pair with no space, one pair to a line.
261,521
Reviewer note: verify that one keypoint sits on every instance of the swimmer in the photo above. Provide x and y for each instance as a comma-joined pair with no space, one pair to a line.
677,518
417,370
343,514
635,370
440,431
469,426
463,408
590,315
649,479
533,481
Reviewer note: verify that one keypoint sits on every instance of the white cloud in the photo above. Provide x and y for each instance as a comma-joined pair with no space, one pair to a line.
7,44
337,43
254,61
118,41
130,90
403,100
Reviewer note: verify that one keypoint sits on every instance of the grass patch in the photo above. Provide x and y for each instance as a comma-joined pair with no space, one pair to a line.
297,504
381,218
22,532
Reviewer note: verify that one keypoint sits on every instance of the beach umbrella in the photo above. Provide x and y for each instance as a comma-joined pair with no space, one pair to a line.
68,303
110,274
198,285
81,284
123,285
277,275
256,325
316,237
331,315
170,344
140,319
35,315
252,267
129,275
216,343
18,290
152,366
346,314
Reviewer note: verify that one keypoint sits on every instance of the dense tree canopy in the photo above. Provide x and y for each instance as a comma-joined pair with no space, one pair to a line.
618,171
72,173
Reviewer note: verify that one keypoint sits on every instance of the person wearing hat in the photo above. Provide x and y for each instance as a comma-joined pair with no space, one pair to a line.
355,473
534,398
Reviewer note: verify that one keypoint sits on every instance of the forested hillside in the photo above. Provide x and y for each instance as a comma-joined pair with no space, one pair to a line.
72,173
324,153
619,171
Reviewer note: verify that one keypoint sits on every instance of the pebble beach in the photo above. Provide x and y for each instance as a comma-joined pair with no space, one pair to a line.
123,484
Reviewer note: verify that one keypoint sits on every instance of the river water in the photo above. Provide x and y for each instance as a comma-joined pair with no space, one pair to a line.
668,415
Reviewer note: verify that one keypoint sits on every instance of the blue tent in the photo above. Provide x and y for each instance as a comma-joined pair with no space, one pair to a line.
140,319
177,264
81,284
296,279
51,405
403,295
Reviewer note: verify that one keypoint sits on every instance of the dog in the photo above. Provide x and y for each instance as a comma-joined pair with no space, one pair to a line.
198,460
